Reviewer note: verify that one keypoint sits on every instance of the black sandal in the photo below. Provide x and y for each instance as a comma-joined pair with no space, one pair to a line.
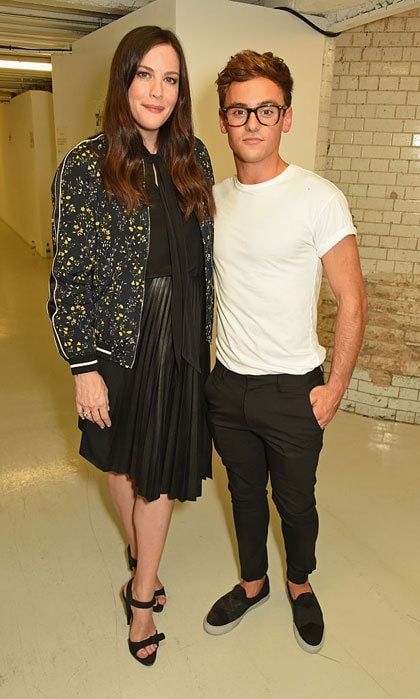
135,646
132,562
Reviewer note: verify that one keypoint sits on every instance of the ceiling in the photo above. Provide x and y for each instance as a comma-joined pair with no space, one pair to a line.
34,30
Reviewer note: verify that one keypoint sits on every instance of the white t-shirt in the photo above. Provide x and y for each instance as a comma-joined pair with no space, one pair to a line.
269,239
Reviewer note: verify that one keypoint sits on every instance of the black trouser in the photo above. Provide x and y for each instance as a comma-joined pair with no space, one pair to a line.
264,425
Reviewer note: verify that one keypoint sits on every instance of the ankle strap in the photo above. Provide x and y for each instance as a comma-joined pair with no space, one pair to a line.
136,603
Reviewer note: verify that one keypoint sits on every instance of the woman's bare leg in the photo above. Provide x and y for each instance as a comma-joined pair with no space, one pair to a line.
123,497
151,522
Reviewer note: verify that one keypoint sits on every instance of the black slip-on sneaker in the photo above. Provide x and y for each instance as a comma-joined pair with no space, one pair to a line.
308,623
230,609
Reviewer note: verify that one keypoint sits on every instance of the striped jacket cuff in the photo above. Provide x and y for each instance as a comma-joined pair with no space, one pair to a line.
82,367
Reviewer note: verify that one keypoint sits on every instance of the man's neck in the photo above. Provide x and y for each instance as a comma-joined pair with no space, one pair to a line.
255,173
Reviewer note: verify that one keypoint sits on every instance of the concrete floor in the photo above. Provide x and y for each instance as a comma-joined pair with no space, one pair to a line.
62,630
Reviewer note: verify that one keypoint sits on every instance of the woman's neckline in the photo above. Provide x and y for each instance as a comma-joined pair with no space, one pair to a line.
148,154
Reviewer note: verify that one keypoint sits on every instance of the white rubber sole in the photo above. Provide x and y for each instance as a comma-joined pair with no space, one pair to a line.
220,630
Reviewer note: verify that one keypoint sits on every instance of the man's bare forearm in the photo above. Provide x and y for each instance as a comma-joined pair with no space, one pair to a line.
350,327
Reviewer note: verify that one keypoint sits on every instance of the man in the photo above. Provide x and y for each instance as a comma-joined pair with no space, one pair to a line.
277,226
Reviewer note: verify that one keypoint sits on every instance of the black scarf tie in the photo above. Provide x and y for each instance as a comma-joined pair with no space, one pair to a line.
185,327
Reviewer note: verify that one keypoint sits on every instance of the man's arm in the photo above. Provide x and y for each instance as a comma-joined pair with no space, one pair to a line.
342,267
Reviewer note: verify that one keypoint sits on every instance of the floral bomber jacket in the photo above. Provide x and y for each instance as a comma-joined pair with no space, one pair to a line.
99,268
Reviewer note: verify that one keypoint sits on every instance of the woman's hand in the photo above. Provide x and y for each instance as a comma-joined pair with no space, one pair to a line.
92,398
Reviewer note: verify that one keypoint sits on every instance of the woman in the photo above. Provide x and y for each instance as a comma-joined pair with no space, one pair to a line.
131,303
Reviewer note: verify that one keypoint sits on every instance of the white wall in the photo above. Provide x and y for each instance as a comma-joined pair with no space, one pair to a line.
27,164
45,163
210,33
15,149
80,79
4,149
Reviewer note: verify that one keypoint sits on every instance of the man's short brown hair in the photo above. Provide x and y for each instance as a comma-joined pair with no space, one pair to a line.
248,64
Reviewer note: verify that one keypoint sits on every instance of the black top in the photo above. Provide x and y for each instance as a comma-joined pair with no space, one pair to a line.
159,259
176,250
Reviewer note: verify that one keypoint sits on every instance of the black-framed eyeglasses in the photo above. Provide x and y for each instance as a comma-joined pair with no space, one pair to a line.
267,114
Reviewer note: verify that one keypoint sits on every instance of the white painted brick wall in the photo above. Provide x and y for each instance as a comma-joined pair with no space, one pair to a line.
395,402
371,150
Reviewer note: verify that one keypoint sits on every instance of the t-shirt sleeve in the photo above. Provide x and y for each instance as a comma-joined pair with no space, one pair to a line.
334,223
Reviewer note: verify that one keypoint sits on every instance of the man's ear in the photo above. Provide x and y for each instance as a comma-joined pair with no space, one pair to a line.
222,122
287,120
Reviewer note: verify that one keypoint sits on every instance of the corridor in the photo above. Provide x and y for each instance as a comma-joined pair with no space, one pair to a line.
63,632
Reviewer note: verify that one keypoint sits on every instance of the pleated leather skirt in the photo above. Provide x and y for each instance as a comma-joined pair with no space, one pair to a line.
159,435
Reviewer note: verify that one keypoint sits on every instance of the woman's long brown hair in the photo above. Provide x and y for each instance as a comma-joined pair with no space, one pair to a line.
122,168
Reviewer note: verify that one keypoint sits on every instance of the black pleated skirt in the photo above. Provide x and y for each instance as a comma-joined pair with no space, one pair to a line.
159,435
